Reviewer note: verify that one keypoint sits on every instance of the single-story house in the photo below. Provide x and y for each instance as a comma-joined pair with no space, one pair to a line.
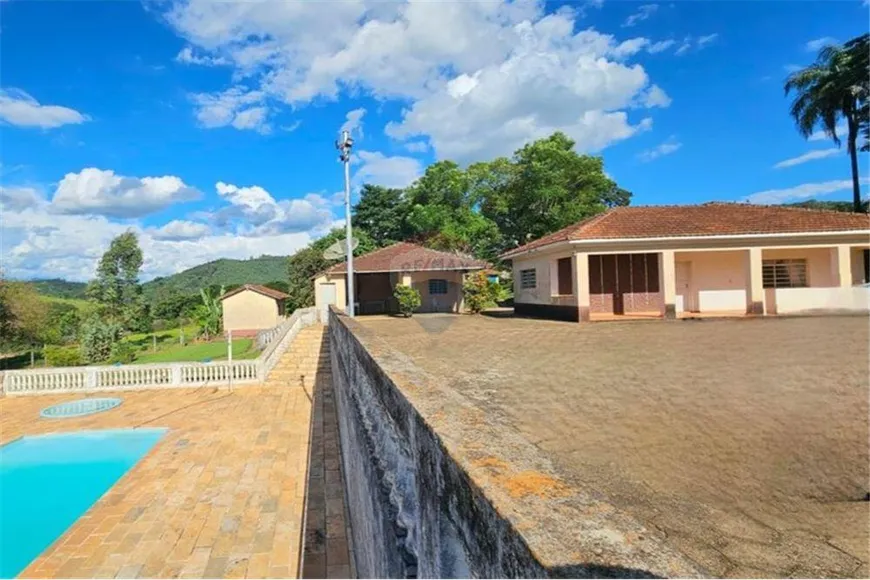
438,276
714,258
250,308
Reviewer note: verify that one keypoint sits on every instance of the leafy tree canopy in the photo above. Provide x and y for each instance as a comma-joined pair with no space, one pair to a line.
116,288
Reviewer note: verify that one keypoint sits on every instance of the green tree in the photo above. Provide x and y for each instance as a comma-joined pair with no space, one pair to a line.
97,338
408,298
444,212
479,292
309,261
116,288
208,314
836,86
383,213
545,187
24,316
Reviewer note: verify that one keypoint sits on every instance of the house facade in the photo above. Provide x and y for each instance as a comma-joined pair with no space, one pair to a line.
683,261
251,308
438,276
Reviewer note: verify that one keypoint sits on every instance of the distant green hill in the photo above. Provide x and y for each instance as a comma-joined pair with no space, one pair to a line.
220,272
60,288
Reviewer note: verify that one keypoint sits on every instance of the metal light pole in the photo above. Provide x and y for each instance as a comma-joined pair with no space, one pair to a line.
344,145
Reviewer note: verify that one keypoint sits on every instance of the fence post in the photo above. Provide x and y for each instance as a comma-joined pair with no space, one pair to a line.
176,375
92,378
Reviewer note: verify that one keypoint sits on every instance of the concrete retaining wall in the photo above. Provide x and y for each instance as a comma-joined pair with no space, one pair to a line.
436,489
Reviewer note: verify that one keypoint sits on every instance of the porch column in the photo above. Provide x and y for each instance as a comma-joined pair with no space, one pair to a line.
755,282
844,265
668,282
581,286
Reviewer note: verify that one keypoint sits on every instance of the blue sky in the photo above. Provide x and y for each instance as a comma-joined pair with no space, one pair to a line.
208,127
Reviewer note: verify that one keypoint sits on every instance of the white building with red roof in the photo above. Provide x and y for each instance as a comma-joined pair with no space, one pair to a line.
438,276
709,259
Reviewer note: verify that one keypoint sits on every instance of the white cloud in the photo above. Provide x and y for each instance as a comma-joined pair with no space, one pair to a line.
19,198
237,107
643,12
803,191
38,242
95,191
353,122
670,145
540,71
790,68
697,43
188,56
655,96
378,169
417,146
20,109
808,156
820,135
253,210
705,40
179,230
818,43
660,46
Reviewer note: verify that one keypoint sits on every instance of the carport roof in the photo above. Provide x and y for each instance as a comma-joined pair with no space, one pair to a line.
407,257
709,219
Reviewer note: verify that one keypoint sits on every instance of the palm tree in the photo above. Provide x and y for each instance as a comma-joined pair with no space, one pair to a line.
835,87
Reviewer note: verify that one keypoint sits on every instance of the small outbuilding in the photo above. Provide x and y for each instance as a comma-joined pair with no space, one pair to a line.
251,308
683,261
438,276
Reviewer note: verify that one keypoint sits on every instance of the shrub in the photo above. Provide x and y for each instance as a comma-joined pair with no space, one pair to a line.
123,352
97,338
408,299
62,356
479,292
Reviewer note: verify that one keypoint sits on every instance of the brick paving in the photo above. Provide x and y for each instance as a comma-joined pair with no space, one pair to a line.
220,496
743,443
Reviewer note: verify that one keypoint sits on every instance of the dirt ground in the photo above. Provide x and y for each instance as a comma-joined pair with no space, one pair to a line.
745,442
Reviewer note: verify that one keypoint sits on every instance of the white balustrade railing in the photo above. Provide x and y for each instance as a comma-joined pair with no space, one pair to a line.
169,375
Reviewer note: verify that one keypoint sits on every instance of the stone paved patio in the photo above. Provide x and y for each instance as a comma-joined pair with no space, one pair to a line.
221,495
743,443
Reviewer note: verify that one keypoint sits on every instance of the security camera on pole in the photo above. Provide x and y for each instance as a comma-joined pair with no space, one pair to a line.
343,145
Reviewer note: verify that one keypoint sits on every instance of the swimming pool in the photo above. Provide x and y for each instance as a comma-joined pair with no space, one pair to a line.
48,481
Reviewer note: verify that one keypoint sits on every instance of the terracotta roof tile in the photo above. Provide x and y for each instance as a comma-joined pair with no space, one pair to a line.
407,257
709,219
264,290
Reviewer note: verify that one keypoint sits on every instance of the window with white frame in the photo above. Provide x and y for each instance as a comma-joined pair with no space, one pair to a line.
784,273
437,286
528,279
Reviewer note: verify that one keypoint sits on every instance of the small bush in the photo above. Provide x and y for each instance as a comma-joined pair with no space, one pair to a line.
160,325
408,299
62,356
479,292
123,352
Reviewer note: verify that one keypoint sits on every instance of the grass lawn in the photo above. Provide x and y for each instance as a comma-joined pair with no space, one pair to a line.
171,335
243,348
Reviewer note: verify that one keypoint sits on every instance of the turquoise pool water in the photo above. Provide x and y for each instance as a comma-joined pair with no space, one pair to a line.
48,481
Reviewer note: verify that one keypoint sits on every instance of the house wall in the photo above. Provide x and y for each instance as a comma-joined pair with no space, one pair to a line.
450,302
249,310
718,281
821,263
340,282
544,300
